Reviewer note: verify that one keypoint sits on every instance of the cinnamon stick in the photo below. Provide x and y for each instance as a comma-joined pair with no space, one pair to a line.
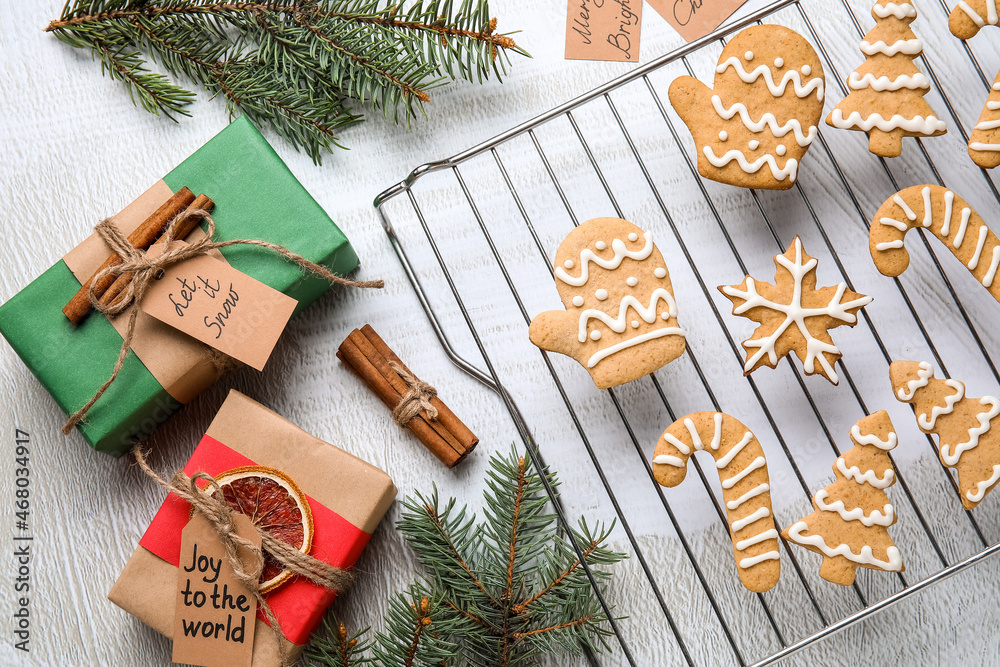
367,355
143,237
183,228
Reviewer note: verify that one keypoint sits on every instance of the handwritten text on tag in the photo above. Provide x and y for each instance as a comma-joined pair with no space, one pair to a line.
603,30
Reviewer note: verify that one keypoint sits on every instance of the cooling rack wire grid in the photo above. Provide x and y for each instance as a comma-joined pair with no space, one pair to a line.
476,235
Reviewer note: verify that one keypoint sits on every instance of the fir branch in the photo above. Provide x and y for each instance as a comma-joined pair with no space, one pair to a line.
291,65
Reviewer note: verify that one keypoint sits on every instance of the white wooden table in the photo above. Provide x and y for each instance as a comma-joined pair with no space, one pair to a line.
75,149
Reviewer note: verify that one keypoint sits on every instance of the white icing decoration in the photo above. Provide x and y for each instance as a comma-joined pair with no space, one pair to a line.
757,539
891,222
991,13
928,211
924,375
595,335
807,70
949,205
748,55
980,146
768,120
927,423
679,444
757,464
660,272
984,418
753,144
779,62
882,83
886,245
666,459
617,324
601,294
601,245
992,271
732,453
910,47
740,524
780,149
893,562
876,518
633,236
577,301
988,124
587,256
974,262
899,11
754,560
872,439
795,313
753,167
777,89
960,236
910,215
752,493
916,125
982,486
723,135
635,324
641,338
631,281
869,477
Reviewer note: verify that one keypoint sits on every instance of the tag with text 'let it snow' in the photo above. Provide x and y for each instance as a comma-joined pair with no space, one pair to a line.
226,309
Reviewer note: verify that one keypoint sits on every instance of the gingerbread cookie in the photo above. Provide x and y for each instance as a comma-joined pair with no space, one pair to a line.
854,513
969,16
949,218
887,91
745,490
620,320
984,142
963,425
753,129
794,315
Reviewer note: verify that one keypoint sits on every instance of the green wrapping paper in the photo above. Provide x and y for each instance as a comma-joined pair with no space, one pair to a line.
256,197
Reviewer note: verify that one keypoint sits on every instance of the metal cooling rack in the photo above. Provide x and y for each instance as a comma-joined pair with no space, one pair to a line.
514,198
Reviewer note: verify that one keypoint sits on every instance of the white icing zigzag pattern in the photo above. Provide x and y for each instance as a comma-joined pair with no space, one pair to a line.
788,171
900,11
768,120
883,83
587,256
792,76
917,124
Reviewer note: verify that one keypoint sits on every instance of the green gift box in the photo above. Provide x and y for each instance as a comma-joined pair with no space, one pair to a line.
256,197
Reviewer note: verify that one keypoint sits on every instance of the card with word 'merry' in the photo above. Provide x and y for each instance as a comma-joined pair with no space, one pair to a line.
603,30
694,19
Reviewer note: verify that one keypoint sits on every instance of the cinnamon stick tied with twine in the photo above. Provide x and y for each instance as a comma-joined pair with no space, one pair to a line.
142,237
220,517
414,403
145,270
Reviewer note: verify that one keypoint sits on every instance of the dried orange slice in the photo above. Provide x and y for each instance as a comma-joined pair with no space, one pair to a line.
276,506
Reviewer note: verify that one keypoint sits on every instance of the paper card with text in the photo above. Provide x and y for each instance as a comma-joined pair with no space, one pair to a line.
694,19
214,614
603,30
210,300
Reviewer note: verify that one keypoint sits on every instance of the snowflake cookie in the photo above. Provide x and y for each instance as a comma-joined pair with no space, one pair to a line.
753,129
850,527
794,314
963,425
745,489
620,320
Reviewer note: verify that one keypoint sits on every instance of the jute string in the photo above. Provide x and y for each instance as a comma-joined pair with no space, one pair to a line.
415,401
146,270
220,517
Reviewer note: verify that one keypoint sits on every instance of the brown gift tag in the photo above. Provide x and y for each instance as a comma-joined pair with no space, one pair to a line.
603,30
694,19
225,309
214,614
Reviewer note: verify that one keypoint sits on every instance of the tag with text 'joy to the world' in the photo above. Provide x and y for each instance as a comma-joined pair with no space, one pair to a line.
208,299
214,614
694,19
603,30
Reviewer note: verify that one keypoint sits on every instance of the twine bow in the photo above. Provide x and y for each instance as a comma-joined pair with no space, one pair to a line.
220,517
145,270
416,400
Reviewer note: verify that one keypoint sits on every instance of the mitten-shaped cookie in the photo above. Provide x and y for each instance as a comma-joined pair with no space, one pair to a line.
743,475
850,527
754,127
947,216
963,425
620,320
887,91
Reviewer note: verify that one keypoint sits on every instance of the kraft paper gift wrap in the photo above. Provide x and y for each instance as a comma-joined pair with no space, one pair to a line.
256,197
348,498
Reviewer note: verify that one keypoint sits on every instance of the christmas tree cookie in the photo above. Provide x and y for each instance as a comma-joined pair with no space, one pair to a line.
850,527
620,320
743,474
794,315
947,216
887,91
963,425
754,127
965,21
